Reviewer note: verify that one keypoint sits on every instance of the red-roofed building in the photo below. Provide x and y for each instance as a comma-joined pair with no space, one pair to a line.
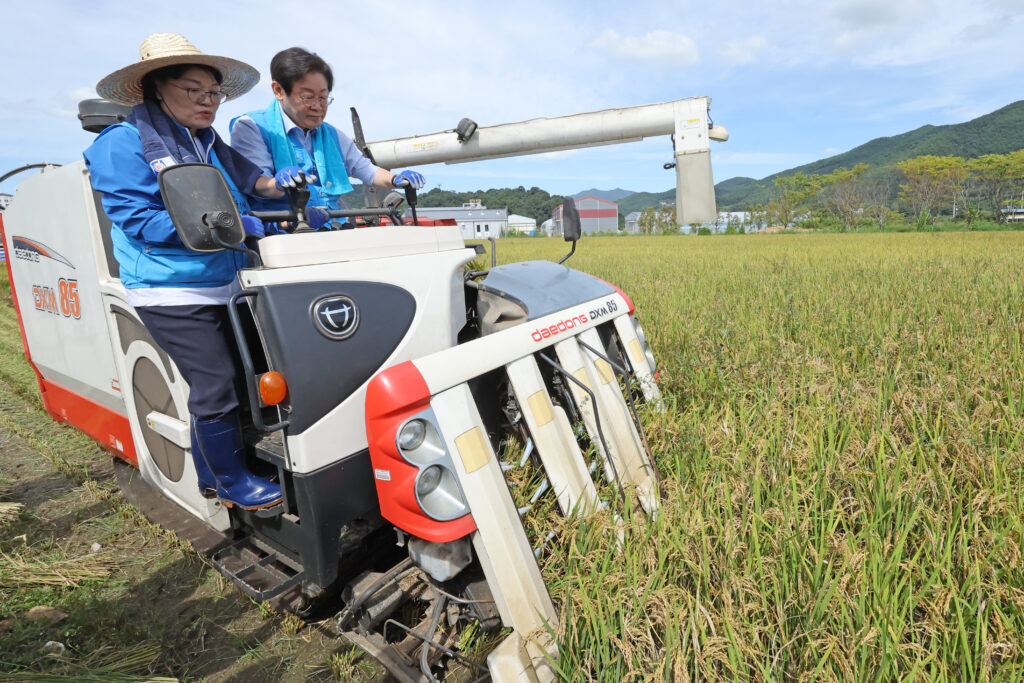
596,215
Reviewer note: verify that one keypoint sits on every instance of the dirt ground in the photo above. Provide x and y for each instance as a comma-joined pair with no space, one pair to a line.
129,601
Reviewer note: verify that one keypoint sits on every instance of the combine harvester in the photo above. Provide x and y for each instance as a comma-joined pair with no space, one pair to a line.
390,390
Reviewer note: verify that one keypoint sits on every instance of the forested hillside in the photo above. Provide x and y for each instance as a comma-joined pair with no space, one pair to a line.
1000,132
535,202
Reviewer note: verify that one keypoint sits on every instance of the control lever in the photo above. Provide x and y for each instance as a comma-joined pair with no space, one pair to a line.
410,198
298,198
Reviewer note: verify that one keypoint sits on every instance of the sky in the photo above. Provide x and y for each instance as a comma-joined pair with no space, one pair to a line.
792,80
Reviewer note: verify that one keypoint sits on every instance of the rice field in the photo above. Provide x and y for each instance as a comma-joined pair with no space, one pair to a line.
842,463
841,454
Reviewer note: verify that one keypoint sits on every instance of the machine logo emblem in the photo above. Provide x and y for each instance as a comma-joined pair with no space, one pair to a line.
337,317
27,249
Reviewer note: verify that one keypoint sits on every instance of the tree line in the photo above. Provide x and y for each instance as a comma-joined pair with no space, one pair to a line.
535,202
916,190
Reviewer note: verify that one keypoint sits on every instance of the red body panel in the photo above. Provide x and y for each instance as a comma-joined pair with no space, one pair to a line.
104,425
109,428
392,397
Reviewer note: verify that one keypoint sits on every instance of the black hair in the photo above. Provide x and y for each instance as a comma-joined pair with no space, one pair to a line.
166,73
292,64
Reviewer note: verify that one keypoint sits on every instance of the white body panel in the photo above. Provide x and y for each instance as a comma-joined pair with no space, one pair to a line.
452,366
625,450
184,491
638,361
308,249
430,270
555,441
70,350
500,541
84,354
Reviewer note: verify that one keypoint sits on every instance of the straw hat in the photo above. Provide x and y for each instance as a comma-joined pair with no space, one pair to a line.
124,86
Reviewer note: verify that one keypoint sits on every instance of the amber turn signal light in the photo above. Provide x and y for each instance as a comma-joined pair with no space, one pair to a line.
273,388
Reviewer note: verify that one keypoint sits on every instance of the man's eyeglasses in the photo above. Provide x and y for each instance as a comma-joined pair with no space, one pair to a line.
197,95
310,99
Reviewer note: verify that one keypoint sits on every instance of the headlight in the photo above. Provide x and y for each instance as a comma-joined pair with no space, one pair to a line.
412,435
436,489
428,480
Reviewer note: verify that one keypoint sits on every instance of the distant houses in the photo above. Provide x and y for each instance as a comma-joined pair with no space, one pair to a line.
521,225
475,220
632,222
597,216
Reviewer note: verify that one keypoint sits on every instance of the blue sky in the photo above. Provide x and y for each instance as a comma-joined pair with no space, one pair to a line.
792,80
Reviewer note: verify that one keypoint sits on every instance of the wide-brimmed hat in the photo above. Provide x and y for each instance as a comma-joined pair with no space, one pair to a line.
158,50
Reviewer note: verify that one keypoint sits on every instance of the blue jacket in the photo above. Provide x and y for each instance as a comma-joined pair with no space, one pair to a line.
146,246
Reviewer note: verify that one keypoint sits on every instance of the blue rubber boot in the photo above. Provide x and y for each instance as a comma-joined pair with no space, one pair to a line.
207,484
220,445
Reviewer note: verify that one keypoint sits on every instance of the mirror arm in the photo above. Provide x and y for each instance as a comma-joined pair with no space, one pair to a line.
571,252
253,254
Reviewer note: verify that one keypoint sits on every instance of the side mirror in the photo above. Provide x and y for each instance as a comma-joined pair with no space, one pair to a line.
571,229
201,207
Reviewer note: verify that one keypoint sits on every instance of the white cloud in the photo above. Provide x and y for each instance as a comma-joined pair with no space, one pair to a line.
665,47
745,51
986,30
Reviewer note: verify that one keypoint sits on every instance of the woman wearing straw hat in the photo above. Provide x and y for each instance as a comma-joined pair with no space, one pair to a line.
174,91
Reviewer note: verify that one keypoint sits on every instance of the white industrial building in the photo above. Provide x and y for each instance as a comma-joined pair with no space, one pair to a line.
475,220
522,225
632,222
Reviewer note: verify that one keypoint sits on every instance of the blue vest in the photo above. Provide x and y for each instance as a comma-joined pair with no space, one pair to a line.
327,162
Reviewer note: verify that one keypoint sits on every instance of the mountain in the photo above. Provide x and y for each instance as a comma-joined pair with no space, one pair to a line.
641,200
608,195
999,132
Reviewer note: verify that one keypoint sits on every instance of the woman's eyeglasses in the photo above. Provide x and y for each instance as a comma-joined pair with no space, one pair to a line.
197,95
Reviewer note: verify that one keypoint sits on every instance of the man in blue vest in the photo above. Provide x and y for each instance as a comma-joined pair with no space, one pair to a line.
291,132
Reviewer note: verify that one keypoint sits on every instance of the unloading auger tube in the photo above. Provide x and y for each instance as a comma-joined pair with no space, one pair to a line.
687,120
